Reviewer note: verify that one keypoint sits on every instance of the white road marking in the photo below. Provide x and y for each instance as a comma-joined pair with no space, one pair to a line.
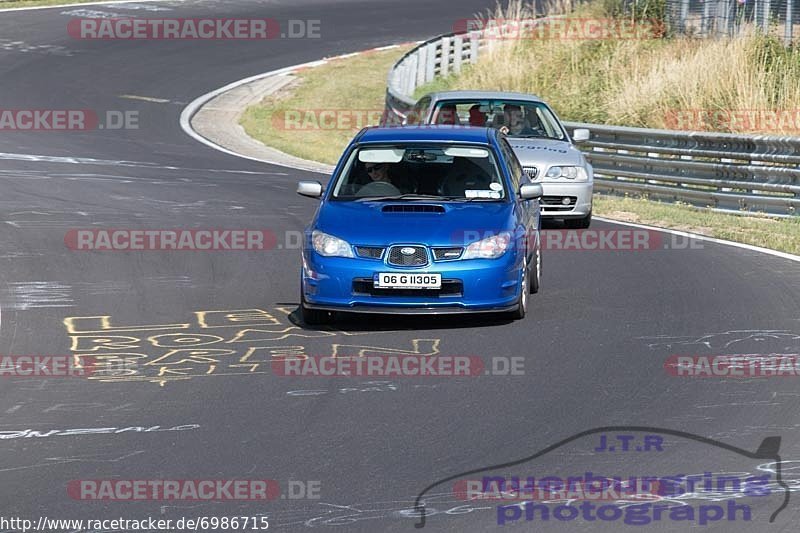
91,14
145,98
61,6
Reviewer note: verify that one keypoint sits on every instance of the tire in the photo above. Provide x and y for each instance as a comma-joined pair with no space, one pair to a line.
578,223
314,317
535,268
522,307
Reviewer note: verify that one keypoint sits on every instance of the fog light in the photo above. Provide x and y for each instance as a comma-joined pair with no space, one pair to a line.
565,201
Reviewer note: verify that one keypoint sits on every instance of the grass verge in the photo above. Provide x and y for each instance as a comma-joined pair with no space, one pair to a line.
358,83
782,234
749,84
315,117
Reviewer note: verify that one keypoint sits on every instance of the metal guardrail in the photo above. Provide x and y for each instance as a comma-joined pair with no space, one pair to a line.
725,171
436,57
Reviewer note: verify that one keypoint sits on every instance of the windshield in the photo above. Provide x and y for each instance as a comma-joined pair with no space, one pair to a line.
515,117
431,171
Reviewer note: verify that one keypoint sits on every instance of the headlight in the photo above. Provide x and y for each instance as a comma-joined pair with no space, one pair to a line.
488,248
570,173
330,246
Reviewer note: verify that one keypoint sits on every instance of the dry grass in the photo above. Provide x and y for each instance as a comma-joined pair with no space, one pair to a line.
344,87
675,83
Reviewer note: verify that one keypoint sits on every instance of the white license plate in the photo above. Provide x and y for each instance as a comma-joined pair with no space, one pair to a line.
393,280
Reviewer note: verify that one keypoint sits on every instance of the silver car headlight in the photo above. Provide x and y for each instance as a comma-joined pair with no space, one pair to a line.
488,248
330,246
570,173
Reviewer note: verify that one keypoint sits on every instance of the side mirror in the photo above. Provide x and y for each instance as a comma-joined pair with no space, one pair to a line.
581,134
530,191
312,189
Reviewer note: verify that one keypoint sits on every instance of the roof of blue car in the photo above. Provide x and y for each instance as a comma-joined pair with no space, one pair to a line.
426,133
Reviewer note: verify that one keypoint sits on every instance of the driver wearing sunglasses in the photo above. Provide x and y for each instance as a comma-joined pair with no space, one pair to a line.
377,171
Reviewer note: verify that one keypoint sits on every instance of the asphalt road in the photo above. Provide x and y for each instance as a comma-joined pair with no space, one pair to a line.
593,346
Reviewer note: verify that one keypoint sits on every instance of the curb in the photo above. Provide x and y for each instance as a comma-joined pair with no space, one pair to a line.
213,118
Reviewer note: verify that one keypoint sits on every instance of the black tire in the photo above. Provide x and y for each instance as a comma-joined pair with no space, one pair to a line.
522,307
314,317
578,223
535,268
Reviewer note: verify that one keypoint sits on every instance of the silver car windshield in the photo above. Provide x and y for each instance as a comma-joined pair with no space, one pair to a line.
421,172
516,118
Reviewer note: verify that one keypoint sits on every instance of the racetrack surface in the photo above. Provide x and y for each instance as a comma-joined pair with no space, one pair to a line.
594,343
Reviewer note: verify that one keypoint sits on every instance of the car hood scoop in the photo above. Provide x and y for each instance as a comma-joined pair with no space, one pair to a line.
412,208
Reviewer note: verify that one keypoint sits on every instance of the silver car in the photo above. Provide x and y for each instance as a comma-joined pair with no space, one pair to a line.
540,141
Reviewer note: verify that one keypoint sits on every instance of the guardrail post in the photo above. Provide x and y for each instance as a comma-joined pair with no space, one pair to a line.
421,65
430,63
411,74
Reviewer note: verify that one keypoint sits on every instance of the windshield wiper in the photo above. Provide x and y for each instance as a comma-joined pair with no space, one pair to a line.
405,197
424,197
533,135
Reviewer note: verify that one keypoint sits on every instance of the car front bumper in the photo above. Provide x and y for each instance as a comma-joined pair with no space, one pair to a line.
578,194
474,285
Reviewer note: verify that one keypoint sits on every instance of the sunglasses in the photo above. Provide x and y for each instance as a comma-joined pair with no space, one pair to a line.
374,167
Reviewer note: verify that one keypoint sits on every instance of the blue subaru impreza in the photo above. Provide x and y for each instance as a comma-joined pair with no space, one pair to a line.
434,219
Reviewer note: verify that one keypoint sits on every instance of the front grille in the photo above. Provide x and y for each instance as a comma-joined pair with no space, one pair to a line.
412,208
417,258
366,286
369,252
532,172
556,203
444,254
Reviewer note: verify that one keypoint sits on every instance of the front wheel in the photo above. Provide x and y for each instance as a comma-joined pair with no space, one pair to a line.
536,267
522,307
